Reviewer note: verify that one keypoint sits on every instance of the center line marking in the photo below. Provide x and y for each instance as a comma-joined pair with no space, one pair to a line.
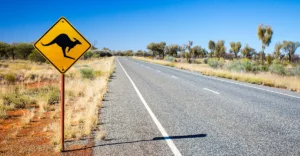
166,136
211,91
175,77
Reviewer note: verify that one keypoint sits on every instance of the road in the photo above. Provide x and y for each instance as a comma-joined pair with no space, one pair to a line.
157,110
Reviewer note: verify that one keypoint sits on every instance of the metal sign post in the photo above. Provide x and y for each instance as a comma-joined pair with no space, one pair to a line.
62,45
62,111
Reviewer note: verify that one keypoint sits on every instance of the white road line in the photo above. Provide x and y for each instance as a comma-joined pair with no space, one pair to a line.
171,144
158,71
298,97
174,77
148,67
211,91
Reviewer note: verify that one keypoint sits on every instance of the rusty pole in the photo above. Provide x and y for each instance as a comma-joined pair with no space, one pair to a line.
62,111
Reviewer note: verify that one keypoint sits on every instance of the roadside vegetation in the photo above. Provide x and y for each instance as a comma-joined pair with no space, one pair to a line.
29,98
280,68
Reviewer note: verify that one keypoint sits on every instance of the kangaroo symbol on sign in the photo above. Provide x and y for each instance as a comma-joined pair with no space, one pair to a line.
64,41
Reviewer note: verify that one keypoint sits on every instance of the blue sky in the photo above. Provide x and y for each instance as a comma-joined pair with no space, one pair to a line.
122,25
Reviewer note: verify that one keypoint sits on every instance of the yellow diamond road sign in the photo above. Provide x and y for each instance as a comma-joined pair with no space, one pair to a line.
62,45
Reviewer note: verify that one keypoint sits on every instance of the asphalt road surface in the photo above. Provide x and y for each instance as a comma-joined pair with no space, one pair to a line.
157,110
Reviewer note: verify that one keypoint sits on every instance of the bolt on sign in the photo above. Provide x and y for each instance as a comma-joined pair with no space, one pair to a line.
62,45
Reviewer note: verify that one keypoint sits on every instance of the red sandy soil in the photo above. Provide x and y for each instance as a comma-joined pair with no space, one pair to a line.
41,84
31,139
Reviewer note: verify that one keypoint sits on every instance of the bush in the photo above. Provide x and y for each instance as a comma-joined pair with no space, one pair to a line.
35,56
19,101
87,73
3,113
10,78
243,65
88,55
277,68
215,63
3,65
170,58
296,70
98,73
205,60
53,97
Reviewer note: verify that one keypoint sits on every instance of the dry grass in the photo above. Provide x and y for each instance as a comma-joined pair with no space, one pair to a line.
100,135
287,82
27,117
26,72
83,96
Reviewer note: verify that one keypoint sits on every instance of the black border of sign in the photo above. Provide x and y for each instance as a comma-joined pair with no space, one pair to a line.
76,31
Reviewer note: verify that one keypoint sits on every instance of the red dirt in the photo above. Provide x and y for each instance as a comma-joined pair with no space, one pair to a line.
31,139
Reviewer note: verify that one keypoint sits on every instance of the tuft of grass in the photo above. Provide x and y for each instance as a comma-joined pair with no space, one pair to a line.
98,73
10,78
100,135
87,73
17,100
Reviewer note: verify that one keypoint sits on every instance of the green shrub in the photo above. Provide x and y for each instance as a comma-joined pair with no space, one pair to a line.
88,55
263,68
35,56
19,101
277,68
10,78
3,65
3,113
187,57
243,65
170,58
53,97
296,70
215,63
98,73
205,61
87,73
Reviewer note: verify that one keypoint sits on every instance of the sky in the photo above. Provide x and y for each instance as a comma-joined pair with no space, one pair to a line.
130,24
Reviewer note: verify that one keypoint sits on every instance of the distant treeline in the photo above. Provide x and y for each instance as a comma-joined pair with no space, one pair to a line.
284,51
26,51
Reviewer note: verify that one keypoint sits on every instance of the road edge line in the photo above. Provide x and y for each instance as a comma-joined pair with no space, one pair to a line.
158,124
218,79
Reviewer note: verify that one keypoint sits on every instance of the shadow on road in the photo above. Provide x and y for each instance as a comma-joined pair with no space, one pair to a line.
154,139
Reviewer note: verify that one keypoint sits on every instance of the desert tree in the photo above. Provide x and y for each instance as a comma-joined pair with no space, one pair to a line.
139,53
189,47
157,48
11,52
290,47
220,49
211,47
269,59
4,48
23,50
248,52
277,53
182,49
235,48
198,51
172,50
264,34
